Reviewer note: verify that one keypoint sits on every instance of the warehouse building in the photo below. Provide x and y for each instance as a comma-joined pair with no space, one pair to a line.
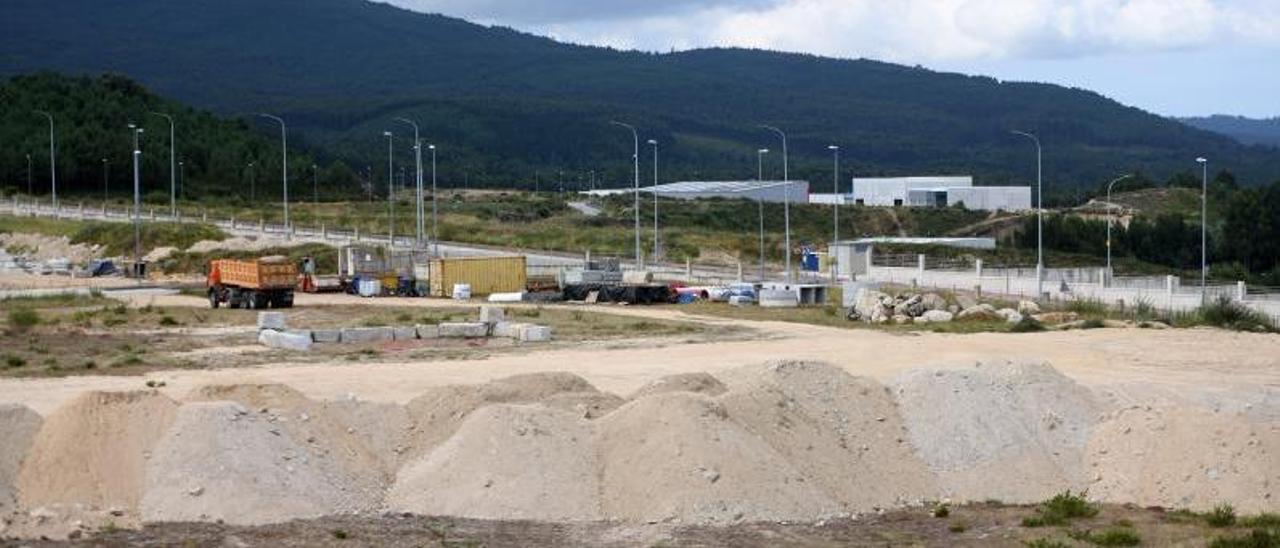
764,191
936,192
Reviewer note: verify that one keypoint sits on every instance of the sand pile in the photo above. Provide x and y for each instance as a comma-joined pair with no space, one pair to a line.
18,427
39,247
1015,432
842,432
699,383
679,456
438,413
220,461
1185,458
507,462
94,450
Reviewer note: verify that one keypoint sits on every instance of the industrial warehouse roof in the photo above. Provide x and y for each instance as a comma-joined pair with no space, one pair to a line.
699,187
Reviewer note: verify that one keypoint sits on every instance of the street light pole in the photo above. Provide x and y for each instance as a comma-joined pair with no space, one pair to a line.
786,199
1039,213
435,207
137,198
635,158
105,163
173,171
253,184
182,176
657,238
391,190
419,226
760,205
835,177
284,166
53,161
1204,224
1110,214
29,189
315,185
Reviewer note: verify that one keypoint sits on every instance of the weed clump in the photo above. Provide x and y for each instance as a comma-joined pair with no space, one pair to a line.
1222,515
23,318
1111,536
1060,509
1027,325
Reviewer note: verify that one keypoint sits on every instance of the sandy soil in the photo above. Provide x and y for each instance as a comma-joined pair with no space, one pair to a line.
1218,369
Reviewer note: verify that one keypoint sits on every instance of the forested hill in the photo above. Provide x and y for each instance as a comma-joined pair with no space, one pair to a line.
1246,130
504,105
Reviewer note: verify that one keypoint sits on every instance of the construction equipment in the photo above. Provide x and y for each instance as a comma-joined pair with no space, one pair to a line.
261,283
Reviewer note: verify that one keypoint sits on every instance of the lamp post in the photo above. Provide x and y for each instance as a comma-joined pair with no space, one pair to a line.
419,227
1204,224
1110,212
835,177
173,171
253,191
137,198
284,166
635,158
105,172
315,185
435,208
1039,213
786,198
53,161
657,238
760,204
182,176
391,189
29,175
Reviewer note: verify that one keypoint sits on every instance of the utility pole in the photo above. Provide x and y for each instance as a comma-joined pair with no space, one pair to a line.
1039,214
760,203
173,171
284,166
657,236
635,158
29,189
137,201
105,173
391,189
835,238
435,206
1204,231
786,199
53,161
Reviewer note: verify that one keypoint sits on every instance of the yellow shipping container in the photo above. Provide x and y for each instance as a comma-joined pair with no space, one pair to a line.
486,275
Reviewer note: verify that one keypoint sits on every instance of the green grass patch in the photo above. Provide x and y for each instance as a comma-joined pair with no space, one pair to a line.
1111,536
22,318
1257,538
1061,509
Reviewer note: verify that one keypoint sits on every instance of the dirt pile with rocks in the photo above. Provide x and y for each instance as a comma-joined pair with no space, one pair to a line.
40,247
779,441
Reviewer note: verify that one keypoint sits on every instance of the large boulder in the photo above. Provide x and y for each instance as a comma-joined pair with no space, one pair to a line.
1028,308
966,301
980,312
935,316
1054,318
933,301
867,303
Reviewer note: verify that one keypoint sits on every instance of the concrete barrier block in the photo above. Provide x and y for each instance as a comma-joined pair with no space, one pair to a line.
492,314
271,320
506,297
287,341
509,330
535,333
404,333
326,335
367,334
428,332
778,298
464,330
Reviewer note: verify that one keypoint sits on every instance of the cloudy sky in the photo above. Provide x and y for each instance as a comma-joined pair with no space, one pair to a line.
1173,57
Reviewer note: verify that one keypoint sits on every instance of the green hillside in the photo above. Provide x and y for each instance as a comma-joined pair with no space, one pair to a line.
506,107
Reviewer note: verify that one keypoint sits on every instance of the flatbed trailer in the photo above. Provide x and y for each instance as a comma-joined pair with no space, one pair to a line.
268,282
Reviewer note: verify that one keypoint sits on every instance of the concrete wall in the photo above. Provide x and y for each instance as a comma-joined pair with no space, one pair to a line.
991,198
885,191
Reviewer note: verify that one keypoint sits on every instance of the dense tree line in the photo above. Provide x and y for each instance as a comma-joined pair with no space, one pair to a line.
1243,232
221,158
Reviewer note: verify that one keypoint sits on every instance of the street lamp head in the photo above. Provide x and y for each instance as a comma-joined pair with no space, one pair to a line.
431,147
833,147
1201,160
653,142
764,151
386,134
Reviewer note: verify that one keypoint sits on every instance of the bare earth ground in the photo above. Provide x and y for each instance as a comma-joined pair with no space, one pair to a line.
1206,365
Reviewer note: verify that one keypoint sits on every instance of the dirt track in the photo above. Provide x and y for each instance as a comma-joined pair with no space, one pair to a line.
1204,365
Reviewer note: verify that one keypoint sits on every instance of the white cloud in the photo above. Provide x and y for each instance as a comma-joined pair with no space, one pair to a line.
908,31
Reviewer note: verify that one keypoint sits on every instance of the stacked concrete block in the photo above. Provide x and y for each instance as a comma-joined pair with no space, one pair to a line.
428,331
271,320
326,335
535,333
510,330
492,314
404,333
778,298
286,341
367,334
474,330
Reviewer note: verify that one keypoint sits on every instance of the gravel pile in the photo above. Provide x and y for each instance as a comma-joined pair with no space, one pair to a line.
18,427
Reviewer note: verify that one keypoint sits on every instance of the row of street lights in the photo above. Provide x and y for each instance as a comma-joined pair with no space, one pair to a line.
419,205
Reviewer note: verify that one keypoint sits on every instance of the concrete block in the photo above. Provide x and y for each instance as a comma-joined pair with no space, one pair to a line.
287,341
464,330
778,298
428,332
508,329
326,335
271,320
506,297
492,314
404,333
367,334
535,333
741,300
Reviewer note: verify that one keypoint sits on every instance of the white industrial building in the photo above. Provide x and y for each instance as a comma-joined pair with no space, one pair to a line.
765,191
934,192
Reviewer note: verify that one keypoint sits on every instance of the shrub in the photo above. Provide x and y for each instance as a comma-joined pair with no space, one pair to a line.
1222,515
14,361
1027,325
167,320
1087,307
1228,314
1258,538
958,527
1092,323
23,318
1060,509
1112,536
941,511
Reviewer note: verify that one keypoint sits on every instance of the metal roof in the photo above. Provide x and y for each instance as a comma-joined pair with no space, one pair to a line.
701,187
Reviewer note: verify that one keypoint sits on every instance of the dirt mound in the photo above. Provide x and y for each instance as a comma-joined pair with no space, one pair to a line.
93,450
507,462
366,438
219,461
437,414
18,427
842,432
242,244
39,247
588,405
679,456
1185,458
1015,432
699,383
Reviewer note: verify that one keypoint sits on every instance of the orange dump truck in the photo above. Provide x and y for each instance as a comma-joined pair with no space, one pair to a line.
261,283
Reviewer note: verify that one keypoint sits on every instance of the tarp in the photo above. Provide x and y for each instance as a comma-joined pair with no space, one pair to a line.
631,294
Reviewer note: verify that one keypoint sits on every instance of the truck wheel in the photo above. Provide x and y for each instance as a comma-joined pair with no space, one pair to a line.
259,300
251,300
213,299
234,299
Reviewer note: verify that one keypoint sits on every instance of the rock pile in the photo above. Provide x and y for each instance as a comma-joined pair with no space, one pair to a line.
877,307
